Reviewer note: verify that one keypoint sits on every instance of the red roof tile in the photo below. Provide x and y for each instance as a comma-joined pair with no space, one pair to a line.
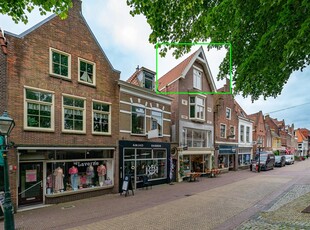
174,73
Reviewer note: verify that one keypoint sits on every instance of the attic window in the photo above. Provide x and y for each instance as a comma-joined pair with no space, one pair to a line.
197,78
148,81
87,72
60,63
201,56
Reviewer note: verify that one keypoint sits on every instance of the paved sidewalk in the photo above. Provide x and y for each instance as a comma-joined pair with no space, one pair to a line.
275,198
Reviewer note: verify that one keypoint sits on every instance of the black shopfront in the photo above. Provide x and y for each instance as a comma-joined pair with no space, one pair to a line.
227,157
138,159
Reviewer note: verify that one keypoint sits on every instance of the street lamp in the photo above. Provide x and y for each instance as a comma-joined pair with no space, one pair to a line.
259,142
6,126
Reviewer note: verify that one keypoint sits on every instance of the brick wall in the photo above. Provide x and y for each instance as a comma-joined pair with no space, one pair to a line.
28,65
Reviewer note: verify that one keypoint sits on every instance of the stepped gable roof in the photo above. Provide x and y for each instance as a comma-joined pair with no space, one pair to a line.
3,42
183,67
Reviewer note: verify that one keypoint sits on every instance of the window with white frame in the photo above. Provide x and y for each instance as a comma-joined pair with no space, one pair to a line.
222,130
73,114
242,133
60,63
87,71
197,108
101,118
137,120
39,109
197,79
196,138
228,113
247,134
157,121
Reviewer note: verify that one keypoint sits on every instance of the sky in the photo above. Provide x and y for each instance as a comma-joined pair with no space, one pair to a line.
124,40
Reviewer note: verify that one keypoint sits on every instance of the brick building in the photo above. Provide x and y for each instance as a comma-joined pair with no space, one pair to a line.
145,119
61,90
191,86
226,130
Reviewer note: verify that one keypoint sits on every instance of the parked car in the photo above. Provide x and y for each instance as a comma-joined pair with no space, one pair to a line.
289,159
279,161
266,161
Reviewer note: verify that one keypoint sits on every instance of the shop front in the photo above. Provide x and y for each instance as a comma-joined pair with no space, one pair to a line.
194,161
54,175
244,157
227,157
138,159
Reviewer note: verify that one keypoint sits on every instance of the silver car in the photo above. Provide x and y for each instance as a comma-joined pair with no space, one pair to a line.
289,159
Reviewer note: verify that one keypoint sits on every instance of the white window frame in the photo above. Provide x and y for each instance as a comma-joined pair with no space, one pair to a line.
73,108
247,134
197,79
51,50
52,105
223,125
94,71
228,112
200,107
142,107
160,132
103,113
205,141
242,135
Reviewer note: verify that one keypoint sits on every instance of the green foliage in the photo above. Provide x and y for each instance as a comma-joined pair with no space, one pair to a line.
18,9
270,39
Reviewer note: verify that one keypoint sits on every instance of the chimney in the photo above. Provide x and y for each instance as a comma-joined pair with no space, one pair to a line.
76,6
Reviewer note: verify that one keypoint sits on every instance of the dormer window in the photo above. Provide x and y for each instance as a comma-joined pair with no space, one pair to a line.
148,81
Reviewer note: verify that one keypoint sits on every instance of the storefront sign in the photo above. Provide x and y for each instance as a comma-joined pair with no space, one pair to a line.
227,149
31,175
82,164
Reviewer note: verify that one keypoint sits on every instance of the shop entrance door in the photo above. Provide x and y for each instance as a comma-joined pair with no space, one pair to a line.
30,190
130,169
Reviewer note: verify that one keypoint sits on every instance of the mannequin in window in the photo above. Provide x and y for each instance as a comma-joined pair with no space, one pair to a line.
102,171
59,183
73,171
90,174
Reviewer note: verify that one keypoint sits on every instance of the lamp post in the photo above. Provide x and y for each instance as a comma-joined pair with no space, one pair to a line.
259,143
6,126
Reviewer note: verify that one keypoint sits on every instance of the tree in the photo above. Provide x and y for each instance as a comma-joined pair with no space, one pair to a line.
18,9
270,39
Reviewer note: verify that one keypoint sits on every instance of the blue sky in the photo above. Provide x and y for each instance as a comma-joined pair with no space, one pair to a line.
124,39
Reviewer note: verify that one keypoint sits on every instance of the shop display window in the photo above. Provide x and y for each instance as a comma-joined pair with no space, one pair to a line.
150,162
244,159
76,175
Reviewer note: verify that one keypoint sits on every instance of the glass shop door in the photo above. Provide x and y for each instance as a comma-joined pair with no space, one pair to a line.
30,189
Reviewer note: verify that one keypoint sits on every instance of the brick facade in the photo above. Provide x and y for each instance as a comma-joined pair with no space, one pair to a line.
28,66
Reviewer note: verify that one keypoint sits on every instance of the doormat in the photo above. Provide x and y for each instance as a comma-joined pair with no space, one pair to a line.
306,210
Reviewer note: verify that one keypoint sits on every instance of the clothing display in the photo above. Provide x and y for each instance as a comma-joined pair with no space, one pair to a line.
59,183
90,174
73,171
102,171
